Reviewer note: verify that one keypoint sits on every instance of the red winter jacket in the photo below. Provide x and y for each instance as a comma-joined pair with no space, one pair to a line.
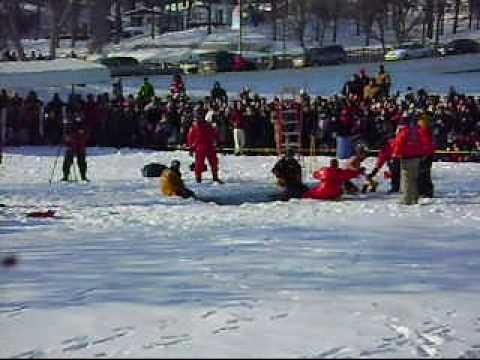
237,119
332,180
408,143
177,87
77,142
202,136
385,154
92,115
427,141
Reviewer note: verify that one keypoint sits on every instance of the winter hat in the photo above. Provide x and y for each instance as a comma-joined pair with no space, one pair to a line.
175,165
334,163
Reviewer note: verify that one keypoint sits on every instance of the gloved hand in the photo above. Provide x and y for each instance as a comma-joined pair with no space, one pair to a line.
372,174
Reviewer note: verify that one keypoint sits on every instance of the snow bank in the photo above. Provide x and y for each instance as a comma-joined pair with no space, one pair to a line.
60,72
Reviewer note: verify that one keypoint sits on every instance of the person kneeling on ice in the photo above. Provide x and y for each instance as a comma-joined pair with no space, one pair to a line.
202,139
171,182
332,180
355,163
76,143
386,156
288,172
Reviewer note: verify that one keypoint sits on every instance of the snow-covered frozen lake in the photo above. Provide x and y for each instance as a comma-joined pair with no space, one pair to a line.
124,272
435,75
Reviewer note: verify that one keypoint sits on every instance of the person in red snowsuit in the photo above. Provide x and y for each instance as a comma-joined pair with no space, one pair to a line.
76,144
332,179
202,139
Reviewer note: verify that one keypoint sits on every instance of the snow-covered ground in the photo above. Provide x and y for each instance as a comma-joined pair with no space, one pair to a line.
124,272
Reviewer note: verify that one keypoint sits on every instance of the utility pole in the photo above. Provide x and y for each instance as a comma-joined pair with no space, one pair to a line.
241,28
284,30
153,22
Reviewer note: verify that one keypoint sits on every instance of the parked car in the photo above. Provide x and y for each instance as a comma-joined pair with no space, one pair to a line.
459,46
282,61
130,66
241,63
409,51
190,66
329,55
122,65
223,61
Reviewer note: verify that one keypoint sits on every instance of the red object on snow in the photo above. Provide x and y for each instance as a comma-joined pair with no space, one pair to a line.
332,180
41,214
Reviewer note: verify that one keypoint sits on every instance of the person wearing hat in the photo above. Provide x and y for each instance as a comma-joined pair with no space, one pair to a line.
76,144
332,180
288,173
177,88
147,92
171,183
218,93
409,148
202,139
425,184
384,81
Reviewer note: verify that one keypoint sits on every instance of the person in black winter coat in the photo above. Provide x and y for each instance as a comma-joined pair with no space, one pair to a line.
219,93
288,172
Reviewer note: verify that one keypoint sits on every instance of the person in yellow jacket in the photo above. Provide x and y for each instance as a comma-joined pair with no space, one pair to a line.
372,90
384,82
171,182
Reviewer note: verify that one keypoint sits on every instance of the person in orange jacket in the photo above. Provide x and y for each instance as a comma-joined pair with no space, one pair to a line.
171,183
202,139
332,180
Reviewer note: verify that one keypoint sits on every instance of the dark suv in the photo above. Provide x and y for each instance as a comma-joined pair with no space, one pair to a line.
329,55
459,46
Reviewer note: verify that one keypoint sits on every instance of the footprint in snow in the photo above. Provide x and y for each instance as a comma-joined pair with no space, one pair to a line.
278,316
32,354
168,340
336,352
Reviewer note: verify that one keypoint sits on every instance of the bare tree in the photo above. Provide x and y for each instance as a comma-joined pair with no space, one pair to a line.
457,14
322,11
13,19
99,13
407,17
300,19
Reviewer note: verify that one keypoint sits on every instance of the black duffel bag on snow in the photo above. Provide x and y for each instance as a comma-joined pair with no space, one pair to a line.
153,170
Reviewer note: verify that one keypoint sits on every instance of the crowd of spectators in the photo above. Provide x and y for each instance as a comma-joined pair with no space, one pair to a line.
364,110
